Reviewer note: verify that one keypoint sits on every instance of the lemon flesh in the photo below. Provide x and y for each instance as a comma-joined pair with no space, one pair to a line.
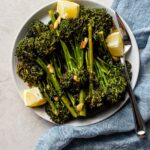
67,9
33,98
115,44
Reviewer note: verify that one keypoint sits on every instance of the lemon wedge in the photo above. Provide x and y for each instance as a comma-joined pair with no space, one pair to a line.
67,9
33,98
115,44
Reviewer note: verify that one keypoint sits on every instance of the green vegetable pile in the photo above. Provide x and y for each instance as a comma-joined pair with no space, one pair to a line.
71,65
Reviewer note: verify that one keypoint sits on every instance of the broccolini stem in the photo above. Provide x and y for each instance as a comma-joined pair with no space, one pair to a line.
63,98
68,58
51,14
55,83
82,96
51,74
101,72
53,78
90,57
57,65
67,104
45,95
42,64
54,109
90,51
71,99
102,40
86,60
103,43
78,53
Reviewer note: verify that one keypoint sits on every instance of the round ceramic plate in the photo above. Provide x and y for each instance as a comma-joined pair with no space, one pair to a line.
132,56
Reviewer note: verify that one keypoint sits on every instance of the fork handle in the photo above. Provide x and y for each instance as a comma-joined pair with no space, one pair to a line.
139,123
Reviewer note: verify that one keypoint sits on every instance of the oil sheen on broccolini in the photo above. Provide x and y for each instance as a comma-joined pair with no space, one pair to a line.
71,65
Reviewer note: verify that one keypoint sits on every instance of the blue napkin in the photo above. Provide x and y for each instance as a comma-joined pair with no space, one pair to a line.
117,132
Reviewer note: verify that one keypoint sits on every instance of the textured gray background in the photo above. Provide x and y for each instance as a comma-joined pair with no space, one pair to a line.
19,126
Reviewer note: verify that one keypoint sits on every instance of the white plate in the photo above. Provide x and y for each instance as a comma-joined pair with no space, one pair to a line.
133,57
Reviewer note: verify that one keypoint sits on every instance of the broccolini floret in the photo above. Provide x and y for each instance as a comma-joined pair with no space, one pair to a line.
64,114
25,50
94,98
75,74
30,73
101,21
111,80
46,43
36,28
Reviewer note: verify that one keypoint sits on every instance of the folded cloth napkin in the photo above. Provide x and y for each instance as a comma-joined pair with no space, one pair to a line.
117,132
